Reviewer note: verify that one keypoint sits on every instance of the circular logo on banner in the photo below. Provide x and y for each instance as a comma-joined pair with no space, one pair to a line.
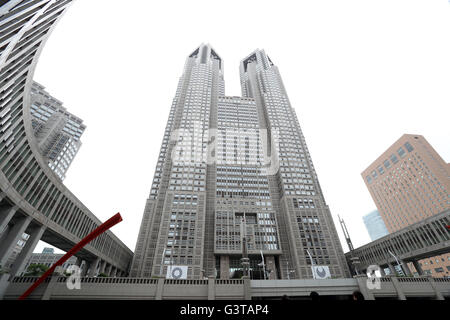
177,273
321,272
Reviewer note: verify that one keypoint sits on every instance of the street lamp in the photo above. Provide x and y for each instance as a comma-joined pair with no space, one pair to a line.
398,263
245,260
312,264
263,264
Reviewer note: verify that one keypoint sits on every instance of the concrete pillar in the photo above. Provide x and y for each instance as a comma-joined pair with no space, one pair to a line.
85,268
108,270
14,235
50,285
405,269
93,268
102,267
4,283
114,272
27,250
224,267
159,289
439,295
392,269
247,288
6,215
362,283
398,288
211,288
271,267
79,262
417,267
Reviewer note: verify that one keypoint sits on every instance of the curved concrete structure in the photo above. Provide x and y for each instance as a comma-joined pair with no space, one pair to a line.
33,199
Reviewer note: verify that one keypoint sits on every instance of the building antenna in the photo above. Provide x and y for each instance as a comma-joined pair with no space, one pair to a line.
354,260
346,234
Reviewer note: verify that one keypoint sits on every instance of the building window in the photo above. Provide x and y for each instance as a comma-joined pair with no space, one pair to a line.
409,147
394,158
401,152
387,164
369,179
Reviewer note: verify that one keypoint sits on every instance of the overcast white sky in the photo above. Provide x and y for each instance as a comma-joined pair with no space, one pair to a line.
359,74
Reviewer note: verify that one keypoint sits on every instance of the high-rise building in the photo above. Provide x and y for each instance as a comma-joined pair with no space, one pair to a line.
375,225
410,182
57,134
57,131
32,198
234,171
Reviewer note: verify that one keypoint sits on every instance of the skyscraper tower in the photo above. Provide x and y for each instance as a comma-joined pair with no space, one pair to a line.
57,131
232,168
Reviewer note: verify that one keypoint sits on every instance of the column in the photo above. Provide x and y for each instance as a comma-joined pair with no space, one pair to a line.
417,267
6,215
108,270
363,288
224,267
211,288
114,272
102,266
405,269
398,288
439,295
93,268
27,250
392,269
247,288
14,235
85,269
79,262
159,289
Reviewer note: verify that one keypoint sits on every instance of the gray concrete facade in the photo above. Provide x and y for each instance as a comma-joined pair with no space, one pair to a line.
424,239
232,168
32,198
242,289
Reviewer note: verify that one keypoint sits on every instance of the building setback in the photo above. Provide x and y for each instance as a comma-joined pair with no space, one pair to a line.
235,167
410,182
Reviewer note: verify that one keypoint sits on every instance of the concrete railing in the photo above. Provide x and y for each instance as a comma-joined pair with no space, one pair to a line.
166,289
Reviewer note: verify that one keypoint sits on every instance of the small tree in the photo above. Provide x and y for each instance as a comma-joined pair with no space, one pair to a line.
36,270
102,275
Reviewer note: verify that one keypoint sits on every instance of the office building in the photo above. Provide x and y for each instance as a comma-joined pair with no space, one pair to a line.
48,257
375,225
57,131
410,182
235,170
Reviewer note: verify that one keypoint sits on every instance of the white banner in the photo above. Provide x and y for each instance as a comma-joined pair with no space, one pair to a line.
321,272
177,272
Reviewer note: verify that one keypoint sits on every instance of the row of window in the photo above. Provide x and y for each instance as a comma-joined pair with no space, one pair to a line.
387,164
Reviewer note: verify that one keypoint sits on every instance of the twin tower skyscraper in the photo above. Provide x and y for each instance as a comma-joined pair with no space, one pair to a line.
234,174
